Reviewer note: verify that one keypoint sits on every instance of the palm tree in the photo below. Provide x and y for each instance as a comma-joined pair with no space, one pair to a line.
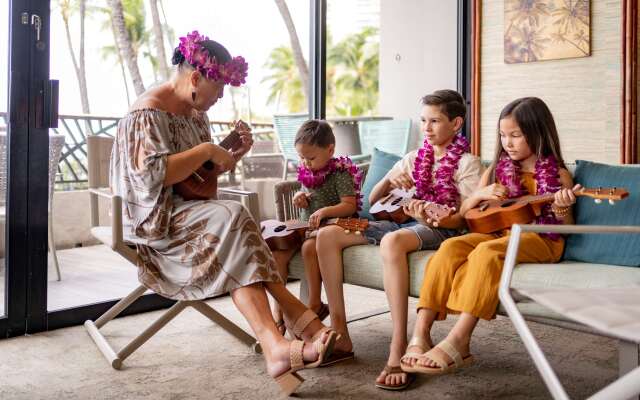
158,37
301,64
355,62
125,36
67,8
285,78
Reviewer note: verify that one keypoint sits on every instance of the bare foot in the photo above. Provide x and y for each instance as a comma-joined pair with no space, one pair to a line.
343,344
392,379
410,359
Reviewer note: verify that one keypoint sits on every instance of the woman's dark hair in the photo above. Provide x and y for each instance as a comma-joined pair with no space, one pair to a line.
315,132
537,125
451,103
214,49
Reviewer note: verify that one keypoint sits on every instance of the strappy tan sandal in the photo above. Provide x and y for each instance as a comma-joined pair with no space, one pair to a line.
414,342
290,380
444,367
302,322
396,370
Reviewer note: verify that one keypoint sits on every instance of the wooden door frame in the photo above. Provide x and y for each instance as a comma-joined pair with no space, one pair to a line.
629,98
629,74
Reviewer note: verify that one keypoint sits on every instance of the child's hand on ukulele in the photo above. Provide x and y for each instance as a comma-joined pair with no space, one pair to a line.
491,192
301,199
564,198
316,218
414,208
401,181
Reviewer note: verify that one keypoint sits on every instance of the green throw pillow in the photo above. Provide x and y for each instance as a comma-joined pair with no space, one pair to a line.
604,248
381,163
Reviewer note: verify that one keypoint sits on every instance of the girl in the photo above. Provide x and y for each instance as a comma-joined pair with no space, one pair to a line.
464,274
330,189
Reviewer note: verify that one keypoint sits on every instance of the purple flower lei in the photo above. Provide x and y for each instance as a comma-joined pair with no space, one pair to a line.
314,179
547,181
443,190
232,72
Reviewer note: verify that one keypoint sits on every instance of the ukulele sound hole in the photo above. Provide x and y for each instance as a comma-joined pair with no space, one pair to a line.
280,228
396,201
507,203
208,165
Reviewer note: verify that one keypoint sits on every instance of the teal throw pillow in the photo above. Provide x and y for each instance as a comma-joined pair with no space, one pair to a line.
605,248
381,163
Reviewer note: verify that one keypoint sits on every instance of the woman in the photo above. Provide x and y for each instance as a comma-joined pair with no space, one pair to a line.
203,248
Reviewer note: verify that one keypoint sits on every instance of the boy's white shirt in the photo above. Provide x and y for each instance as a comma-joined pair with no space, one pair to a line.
466,177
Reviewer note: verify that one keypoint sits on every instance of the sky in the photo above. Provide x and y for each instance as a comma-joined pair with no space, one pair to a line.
250,28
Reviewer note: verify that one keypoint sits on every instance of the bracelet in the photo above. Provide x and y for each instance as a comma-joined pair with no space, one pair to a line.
560,212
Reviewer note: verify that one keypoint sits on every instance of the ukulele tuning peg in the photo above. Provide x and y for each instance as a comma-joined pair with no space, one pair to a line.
612,202
358,233
435,224
598,201
346,231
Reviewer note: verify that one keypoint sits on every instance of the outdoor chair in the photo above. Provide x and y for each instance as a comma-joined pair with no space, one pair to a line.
286,127
391,136
56,142
99,150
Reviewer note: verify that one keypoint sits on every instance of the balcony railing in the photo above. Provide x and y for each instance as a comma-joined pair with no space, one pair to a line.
72,167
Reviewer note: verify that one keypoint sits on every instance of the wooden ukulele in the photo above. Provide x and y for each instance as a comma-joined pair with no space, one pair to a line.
290,235
390,208
203,183
495,215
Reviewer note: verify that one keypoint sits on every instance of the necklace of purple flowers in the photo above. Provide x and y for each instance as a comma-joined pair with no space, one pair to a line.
547,181
314,179
442,190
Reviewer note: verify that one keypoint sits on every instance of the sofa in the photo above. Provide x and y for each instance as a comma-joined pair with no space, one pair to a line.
363,265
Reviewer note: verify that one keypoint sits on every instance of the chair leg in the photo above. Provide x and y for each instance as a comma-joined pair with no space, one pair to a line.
227,325
628,360
52,247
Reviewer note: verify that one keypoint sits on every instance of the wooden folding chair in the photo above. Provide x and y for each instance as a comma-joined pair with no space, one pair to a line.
99,150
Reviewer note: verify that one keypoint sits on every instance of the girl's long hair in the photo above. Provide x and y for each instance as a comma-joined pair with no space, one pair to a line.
538,127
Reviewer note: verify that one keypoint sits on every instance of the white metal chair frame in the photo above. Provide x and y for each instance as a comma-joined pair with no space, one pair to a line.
628,385
113,236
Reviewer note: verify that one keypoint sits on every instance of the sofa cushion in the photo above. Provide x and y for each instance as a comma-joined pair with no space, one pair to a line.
363,267
381,163
618,249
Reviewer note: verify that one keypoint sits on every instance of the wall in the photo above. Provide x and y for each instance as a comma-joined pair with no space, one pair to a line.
583,93
424,34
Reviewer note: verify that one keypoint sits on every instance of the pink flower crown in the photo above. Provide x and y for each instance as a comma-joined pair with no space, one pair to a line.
232,72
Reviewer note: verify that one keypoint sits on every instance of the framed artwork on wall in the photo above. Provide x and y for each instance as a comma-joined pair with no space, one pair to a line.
537,30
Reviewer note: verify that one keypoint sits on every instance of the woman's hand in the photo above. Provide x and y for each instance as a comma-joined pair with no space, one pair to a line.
301,199
246,138
565,197
491,192
401,181
316,218
222,158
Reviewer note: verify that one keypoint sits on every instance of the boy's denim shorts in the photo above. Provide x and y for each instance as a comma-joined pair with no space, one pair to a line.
430,238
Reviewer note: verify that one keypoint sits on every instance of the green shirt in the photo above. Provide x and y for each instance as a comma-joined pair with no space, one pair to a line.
337,185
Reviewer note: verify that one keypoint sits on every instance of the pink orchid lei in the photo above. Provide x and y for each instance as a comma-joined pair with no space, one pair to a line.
443,190
547,181
232,72
314,179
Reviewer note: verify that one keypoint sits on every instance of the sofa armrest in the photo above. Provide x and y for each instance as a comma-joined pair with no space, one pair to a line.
283,193
247,198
